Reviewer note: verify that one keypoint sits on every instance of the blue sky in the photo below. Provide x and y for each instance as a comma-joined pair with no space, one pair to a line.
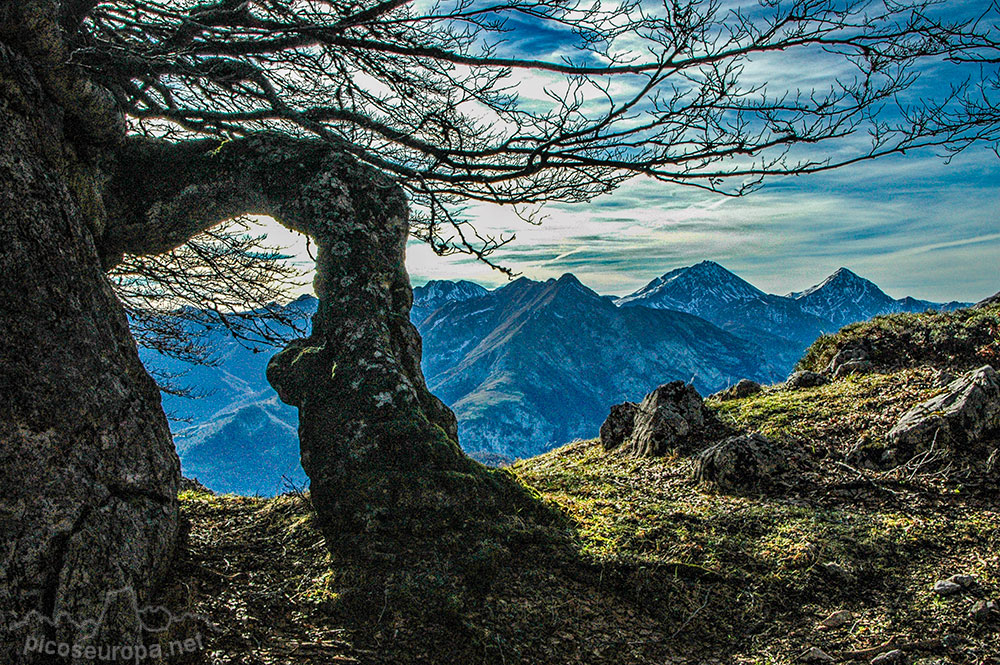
913,224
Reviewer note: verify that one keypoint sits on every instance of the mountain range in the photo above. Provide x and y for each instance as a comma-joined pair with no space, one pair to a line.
530,365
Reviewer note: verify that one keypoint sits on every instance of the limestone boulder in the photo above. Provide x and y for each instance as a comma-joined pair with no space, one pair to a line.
739,463
805,379
618,426
745,388
668,418
850,360
959,418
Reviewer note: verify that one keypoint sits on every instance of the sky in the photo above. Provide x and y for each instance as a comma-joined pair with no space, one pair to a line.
913,224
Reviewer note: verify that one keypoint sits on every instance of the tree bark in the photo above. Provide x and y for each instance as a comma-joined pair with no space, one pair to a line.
88,472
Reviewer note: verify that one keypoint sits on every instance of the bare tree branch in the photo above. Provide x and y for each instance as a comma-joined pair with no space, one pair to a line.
224,277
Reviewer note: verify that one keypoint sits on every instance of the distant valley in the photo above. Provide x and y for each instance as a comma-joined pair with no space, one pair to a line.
530,365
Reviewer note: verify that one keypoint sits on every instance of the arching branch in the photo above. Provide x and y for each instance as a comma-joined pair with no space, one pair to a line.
373,437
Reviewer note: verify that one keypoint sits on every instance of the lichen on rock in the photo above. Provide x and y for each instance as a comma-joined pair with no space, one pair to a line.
618,426
958,419
739,463
669,418
743,388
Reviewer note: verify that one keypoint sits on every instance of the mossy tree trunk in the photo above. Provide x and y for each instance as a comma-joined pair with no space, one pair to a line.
380,450
87,467
88,472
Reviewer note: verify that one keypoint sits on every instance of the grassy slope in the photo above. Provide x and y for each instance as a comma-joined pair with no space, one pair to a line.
650,568
961,339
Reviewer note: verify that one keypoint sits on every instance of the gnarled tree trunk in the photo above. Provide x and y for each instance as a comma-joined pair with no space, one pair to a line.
380,450
88,472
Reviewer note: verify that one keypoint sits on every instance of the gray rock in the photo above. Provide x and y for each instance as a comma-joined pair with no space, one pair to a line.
852,367
946,588
964,581
745,388
836,620
738,463
942,378
957,419
816,655
837,571
984,610
193,485
850,360
894,657
618,426
806,379
669,417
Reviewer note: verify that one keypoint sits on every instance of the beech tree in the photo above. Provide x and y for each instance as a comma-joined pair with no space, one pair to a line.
133,126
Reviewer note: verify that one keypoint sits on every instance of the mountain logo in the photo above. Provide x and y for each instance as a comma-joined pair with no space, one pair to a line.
151,631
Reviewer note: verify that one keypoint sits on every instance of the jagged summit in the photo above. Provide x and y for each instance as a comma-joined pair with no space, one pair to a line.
845,297
450,289
569,278
524,291
570,283
438,292
842,279
694,289
712,292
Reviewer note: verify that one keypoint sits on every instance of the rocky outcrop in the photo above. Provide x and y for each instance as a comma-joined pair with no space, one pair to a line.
942,378
619,425
193,485
744,388
88,473
851,360
988,302
739,463
958,419
806,379
668,418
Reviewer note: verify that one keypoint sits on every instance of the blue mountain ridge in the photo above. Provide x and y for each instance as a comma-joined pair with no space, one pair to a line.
527,366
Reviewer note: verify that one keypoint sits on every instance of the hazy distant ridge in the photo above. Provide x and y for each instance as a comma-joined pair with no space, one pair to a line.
530,365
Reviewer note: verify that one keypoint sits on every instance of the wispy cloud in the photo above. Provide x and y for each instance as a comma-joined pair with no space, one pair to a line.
912,224
915,226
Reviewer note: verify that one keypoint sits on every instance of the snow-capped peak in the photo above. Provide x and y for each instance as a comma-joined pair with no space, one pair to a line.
844,297
694,289
842,278
440,291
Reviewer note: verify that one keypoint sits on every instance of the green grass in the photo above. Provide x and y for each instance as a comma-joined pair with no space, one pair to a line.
859,409
641,565
768,549
962,339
